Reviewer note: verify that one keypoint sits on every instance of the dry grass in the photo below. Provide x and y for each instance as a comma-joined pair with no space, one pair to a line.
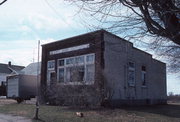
4,101
160,113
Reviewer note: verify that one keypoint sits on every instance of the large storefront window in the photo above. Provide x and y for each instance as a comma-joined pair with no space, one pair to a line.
76,69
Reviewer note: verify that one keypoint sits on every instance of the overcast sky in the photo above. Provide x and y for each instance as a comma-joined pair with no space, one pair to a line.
23,23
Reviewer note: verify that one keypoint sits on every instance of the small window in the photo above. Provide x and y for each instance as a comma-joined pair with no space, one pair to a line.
131,65
90,58
143,68
131,74
61,62
51,64
143,75
131,78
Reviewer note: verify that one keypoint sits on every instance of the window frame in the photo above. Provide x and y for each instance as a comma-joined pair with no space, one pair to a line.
84,64
143,76
50,67
131,69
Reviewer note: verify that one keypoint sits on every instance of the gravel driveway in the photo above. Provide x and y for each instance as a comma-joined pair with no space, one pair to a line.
11,118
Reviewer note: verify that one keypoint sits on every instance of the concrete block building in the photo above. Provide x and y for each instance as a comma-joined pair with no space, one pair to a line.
100,67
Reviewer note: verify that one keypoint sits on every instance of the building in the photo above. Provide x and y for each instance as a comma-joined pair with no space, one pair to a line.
23,86
5,70
100,68
32,69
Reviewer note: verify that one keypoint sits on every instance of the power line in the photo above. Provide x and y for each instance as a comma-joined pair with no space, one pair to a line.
57,13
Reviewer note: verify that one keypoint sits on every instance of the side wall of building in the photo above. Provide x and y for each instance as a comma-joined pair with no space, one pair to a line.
117,54
158,84
115,60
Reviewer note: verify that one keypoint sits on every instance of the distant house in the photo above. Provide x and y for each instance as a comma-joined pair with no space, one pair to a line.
8,69
31,69
23,85
100,68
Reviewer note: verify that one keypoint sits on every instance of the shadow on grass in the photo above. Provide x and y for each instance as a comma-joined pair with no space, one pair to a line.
170,110
38,120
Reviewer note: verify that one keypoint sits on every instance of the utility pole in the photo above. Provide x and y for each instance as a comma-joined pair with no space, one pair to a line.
37,99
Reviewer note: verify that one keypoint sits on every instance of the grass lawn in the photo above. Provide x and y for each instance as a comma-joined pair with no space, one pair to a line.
162,113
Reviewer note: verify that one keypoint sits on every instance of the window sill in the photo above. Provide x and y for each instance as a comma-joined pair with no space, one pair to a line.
76,83
143,86
131,85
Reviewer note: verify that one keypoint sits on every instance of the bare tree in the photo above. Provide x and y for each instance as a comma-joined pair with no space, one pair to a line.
160,17
2,2
153,23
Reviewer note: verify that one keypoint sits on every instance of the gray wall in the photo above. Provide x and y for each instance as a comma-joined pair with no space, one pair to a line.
117,54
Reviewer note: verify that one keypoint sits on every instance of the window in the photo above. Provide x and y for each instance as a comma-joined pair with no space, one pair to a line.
69,61
131,74
76,69
61,62
51,77
131,65
51,65
79,59
143,75
75,74
90,58
90,73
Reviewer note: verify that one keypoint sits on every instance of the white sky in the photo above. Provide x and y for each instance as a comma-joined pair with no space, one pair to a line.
23,23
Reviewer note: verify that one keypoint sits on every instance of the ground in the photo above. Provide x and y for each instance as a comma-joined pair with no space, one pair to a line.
159,113
11,118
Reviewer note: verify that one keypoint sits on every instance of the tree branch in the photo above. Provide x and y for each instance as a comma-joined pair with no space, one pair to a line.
3,2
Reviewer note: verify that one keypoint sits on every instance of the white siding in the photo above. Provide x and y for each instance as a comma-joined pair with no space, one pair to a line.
13,87
2,77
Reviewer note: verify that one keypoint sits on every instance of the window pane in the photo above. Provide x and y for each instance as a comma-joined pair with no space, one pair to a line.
69,61
80,74
90,58
90,73
61,75
143,68
131,78
51,64
143,75
131,65
80,59
68,74
61,62
75,74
